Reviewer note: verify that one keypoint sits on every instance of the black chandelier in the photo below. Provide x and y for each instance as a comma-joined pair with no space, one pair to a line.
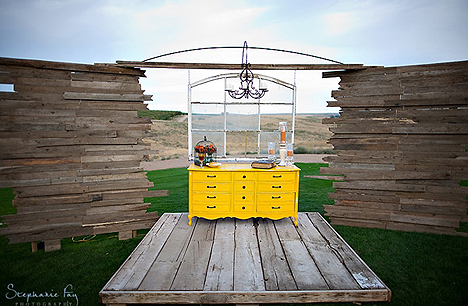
246,76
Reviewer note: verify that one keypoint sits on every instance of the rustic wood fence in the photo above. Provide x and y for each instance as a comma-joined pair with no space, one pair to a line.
402,142
71,146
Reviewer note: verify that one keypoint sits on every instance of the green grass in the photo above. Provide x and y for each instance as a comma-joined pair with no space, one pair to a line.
420,269
159,114
6,196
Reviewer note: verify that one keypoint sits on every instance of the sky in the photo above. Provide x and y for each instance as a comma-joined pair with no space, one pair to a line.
370,32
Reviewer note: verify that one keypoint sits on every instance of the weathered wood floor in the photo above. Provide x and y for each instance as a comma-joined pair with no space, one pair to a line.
243,262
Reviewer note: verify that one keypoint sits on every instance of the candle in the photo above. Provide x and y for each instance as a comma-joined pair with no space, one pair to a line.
282,128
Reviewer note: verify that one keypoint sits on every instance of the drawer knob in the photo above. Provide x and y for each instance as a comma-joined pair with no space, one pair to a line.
278,197
243,197
243,187
213,197
275,186
210,175
244,176
210,186
210,207
277,176
243,207
276,207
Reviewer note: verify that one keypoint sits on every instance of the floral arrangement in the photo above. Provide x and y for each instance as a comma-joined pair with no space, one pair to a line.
210,149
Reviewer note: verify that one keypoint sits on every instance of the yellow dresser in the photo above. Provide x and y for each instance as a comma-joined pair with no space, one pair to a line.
240,191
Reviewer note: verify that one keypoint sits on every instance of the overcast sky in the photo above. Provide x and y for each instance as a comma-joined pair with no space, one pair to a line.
386,32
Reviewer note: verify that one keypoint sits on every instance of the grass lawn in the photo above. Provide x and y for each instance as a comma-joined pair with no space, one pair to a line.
420,269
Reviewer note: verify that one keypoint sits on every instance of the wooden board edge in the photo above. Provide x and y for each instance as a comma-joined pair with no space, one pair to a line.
352,250
243,297
156,227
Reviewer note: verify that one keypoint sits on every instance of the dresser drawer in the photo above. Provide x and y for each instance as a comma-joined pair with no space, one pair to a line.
211,198
211,208
272,207
244,187
240,198
211,187
244,176
276,176
211,176
276,187
275,197
244,207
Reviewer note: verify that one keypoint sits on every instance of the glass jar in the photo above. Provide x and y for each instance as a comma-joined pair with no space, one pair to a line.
205,151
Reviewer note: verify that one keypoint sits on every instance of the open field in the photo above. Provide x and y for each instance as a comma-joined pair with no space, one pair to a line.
168,138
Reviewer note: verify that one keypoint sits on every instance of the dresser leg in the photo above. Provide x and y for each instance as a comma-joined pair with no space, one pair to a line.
189,220
295,220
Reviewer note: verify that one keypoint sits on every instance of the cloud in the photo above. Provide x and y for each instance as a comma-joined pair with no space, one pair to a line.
338,23
371,32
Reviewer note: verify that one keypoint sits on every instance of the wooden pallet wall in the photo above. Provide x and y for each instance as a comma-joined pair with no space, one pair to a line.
71,146
402,142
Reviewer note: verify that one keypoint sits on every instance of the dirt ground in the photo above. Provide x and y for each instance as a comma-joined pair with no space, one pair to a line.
182,162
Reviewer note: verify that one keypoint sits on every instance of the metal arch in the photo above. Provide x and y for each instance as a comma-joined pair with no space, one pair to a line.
238,47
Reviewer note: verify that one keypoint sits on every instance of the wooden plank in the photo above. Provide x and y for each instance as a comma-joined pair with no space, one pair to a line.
379,185
174,65
245,297
53,200
424,219
354,174
426,102
358,268
357,212
304,269
133,270
117,86
421,228
135,224
112,121
79,208
40,64
121,208
124,235
367,204
329,264
52,245
118,218
61,189
117,185
431,129
50,233
113,105
114,158
193,268
163,270
276,271
103,77
114,177
106,96
248,274
220,272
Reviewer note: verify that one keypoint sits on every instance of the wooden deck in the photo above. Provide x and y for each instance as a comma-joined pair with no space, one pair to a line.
243,262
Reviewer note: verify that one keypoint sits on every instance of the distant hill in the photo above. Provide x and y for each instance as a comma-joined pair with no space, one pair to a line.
168,138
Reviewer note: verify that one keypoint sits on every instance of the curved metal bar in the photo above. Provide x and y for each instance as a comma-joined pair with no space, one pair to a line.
236,75
237,47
